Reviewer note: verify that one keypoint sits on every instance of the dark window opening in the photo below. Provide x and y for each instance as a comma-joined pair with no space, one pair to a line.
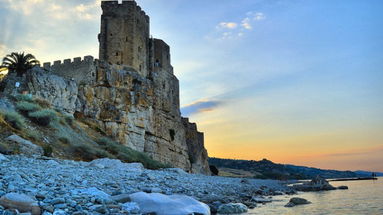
116,53
172,134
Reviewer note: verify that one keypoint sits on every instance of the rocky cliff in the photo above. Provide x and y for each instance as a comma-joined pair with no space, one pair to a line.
139,112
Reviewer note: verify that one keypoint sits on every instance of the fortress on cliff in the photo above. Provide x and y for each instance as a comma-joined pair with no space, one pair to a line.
131,91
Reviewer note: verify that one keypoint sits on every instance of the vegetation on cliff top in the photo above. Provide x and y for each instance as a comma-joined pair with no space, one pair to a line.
61,135
19,62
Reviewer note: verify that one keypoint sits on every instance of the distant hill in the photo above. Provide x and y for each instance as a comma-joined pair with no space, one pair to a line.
266,169
368,173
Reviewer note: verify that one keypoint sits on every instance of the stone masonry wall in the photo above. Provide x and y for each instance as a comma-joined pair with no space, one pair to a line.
78,70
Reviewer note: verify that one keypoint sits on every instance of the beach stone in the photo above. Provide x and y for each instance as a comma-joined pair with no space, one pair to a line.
176,170
260,200
3,158
21,202
52,163
26,147
60,212
92,191
168,205
115,164
232,208
121,198
131,208
342,187
297,201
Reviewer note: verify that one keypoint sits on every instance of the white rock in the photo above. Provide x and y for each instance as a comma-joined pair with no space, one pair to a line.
3,158
116,164
25,146
232,208
168,205
59,212
131,207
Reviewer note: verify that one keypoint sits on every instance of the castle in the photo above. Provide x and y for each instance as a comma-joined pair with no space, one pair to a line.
131,91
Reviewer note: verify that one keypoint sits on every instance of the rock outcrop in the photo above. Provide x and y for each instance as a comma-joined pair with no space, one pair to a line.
132,109
297,201
317,184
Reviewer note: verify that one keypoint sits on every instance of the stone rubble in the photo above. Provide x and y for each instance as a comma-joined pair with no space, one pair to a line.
61,187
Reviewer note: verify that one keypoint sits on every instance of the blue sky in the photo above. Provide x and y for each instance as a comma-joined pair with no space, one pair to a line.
293,81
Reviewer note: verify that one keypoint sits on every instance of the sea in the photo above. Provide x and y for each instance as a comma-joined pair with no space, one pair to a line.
362,197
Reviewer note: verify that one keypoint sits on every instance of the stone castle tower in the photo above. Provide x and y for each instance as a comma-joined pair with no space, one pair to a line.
124,37
131,92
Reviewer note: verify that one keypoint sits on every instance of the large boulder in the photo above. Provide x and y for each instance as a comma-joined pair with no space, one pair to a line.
160,204
232,208
297,201
21,202
26,147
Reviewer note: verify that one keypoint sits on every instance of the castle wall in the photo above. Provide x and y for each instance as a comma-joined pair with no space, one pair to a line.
78,70
124,37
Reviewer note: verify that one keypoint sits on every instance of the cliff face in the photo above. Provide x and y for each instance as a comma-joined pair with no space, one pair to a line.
142,113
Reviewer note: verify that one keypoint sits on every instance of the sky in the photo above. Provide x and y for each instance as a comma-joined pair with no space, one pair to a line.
296,81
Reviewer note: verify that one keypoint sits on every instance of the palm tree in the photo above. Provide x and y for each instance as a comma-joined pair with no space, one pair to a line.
19,62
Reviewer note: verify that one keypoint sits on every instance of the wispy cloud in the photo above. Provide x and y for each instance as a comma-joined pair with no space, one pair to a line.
227,25
199,107
233,30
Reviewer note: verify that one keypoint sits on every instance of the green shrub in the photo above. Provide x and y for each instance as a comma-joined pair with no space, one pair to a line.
22,97
87,152
14,119
48,150
42,102
26,107
129,155
69,120
64,140
33,134
43,117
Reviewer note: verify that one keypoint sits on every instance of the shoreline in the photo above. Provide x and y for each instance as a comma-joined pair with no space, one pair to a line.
353,179
48,179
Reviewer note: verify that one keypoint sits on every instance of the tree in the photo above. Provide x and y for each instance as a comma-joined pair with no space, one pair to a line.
19,62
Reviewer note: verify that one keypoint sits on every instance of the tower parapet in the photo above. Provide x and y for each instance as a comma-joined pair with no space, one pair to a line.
124,35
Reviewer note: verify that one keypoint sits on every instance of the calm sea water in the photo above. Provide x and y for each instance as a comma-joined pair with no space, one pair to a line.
362,197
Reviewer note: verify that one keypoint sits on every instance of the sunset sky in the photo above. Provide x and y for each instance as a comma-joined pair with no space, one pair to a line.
293,81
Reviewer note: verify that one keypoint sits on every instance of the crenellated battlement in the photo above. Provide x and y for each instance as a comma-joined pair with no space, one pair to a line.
123,6
79,69
66,62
